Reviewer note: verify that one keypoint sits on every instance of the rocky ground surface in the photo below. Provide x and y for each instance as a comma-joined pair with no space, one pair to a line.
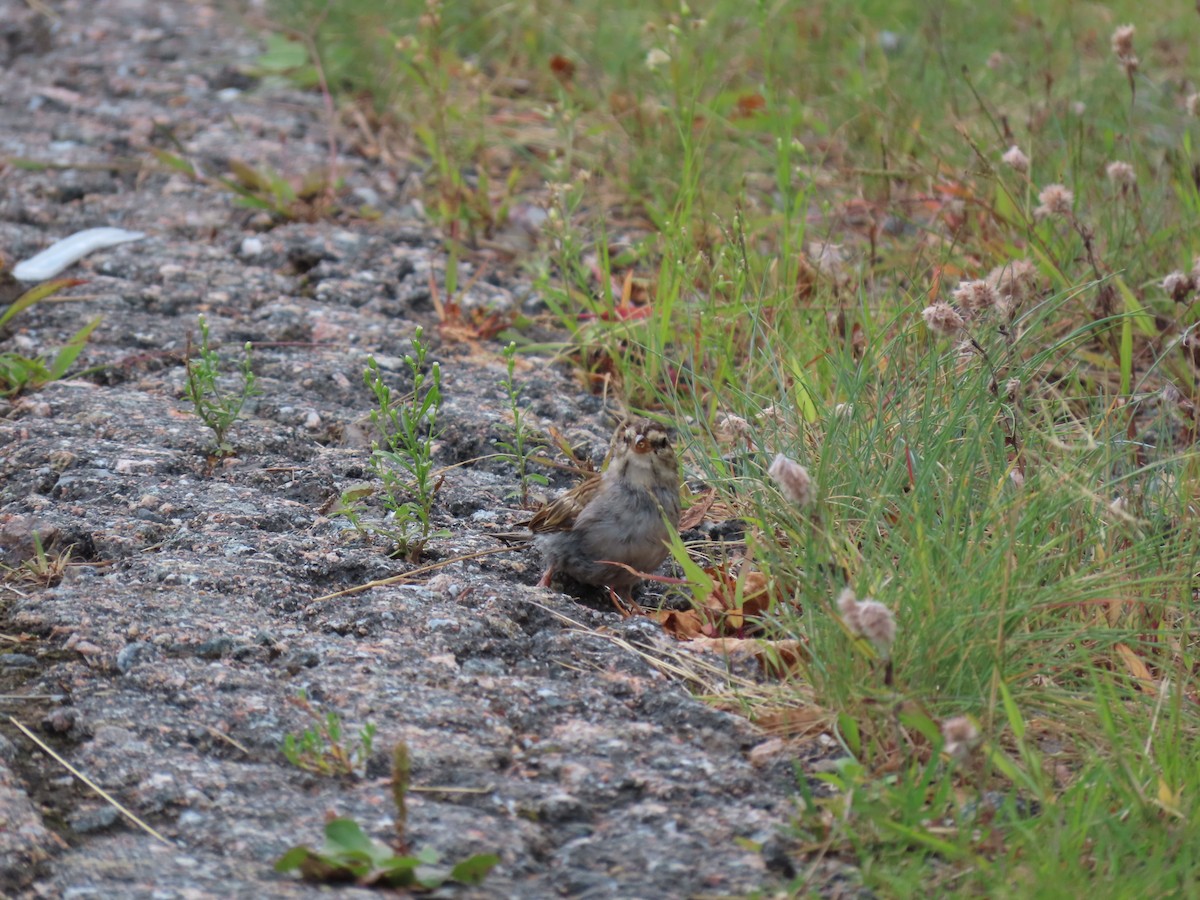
164,664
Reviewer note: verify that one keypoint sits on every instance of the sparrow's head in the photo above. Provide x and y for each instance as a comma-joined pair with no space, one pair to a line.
642,454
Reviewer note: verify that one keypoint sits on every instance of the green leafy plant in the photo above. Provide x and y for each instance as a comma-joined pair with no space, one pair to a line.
19,373
323,748
304,199
218,409
349,854
404,463
522,444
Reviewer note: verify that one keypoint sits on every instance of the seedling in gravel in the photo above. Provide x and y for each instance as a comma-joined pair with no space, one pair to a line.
405,465
218,409
323,748
456,323
522,443
41,569
349,854
20,373
306,200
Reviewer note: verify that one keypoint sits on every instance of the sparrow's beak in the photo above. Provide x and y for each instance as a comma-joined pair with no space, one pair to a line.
640,444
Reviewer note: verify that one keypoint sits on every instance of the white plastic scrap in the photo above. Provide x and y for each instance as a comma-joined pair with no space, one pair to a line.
68,251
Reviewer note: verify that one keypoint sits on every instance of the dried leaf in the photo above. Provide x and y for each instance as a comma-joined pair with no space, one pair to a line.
749,105
793,722
695,513
563,68
684,625
1137,669
778,658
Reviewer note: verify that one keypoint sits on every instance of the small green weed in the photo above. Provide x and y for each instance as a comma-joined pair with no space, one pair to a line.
306,199
349,854
405,463
323,747
19,373
522,443
216,408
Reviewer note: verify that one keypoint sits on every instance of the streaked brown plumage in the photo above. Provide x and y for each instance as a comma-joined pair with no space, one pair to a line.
616,516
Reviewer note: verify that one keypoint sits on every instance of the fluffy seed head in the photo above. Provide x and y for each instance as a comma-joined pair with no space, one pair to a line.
942,318
793,479
732,428
868,619
1016,159
1121,174
1193,105
847,605
877,625
1178,286
961,735
1055,200
1122,47
657,57
976,296
1015,281
1122,40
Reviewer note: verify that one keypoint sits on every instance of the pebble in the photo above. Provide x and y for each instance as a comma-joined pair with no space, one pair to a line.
132,654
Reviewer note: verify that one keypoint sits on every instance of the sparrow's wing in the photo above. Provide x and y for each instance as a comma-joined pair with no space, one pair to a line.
560,514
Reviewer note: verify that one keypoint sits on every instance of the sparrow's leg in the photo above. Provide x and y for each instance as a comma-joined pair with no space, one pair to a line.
624,603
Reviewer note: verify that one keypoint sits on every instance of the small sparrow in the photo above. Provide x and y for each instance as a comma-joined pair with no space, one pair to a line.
617,516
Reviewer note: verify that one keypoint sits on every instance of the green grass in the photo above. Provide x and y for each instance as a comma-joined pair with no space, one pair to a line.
781,189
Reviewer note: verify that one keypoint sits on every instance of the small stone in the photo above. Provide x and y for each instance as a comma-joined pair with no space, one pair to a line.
251,246
127,466
215,649
301,659
767,751
59,721
133,654
91,820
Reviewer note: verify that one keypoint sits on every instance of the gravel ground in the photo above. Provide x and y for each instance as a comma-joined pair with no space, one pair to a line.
164,668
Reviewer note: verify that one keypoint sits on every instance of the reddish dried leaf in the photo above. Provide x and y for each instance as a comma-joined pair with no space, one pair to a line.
749,105
563,68
729,614
683,625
